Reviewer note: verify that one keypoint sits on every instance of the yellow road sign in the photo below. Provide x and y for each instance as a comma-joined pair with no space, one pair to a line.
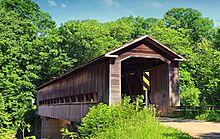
146,80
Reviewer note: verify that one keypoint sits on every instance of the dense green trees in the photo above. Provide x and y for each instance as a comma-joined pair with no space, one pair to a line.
191,20
27,47
33,50
85,40
16,34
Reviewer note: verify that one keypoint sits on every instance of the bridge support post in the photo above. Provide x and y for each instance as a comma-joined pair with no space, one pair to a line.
50,127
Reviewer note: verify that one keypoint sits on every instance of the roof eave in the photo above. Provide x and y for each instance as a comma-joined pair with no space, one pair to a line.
126,44
179,59
70,72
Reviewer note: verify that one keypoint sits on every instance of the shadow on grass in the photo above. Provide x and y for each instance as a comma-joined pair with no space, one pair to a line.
176,120
167,120
178,135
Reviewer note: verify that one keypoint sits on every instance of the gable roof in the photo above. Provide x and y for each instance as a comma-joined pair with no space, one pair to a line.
152,40
112,54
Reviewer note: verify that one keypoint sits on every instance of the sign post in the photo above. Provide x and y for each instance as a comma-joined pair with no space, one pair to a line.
146,98
146,85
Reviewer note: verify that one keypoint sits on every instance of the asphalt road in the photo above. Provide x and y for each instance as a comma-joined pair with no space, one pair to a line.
195,128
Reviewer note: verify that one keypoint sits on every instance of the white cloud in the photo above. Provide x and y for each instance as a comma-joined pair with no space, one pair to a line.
51,3
111,3
63,5
157,5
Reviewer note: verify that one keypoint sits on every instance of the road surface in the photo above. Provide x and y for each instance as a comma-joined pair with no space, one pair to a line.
195,128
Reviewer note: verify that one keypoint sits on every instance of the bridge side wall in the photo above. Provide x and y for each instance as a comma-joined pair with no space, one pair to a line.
70,97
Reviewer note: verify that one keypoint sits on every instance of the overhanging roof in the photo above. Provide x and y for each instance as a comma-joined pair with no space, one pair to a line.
152,40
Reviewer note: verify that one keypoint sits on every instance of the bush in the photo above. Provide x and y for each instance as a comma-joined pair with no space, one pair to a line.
209,115
102,116
124,121
96,120
189,95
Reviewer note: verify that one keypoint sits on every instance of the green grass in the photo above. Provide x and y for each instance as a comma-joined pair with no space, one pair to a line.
125,121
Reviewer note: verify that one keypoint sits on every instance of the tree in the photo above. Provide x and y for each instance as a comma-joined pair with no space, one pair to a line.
50,57
29,50
216,40
192,20
28,10
16,88
205,60
86,40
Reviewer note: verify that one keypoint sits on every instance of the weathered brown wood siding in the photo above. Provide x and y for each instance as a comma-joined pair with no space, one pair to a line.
72,112
174,84
90,80
160,87
115,81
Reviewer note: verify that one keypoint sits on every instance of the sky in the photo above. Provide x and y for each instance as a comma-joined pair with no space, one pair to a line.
110,10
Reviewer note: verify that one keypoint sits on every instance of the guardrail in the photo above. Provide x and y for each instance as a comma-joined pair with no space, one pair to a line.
194,108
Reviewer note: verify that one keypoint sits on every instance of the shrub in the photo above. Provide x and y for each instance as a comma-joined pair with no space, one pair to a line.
125,120
102,116
96,120
210,115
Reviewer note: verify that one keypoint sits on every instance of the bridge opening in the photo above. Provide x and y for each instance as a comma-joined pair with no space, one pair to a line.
132,76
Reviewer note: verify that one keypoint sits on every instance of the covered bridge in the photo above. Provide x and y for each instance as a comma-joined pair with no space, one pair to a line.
111,76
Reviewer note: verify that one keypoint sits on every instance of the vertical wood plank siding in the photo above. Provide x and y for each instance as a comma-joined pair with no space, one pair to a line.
160,87
115,82
85,81
88,80
72,112
174,84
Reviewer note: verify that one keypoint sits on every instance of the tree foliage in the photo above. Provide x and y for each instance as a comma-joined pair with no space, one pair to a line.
191,20
29,56
29,10
85,40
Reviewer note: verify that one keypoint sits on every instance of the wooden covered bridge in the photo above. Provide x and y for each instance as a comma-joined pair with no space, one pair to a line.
108,78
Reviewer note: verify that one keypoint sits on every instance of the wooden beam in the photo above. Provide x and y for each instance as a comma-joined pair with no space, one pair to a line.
129,86
139,73
84,98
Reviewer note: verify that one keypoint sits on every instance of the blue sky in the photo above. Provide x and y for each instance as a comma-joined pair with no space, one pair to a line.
109,10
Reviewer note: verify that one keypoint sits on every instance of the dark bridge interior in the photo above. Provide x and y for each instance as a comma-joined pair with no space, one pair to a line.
132,75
